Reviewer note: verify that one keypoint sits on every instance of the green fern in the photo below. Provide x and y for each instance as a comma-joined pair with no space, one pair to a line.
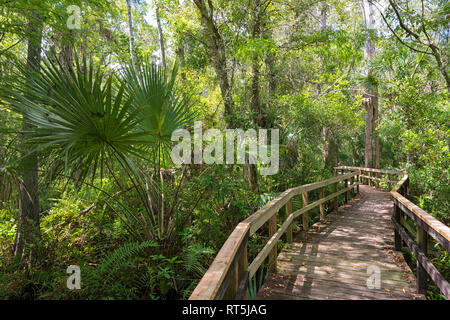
121,256
193,259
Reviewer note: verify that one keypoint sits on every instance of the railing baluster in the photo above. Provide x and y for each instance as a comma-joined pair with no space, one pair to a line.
397,238
273,253
322,210
357,184
242,269
346,193
422,239
289,229
305,216
336,198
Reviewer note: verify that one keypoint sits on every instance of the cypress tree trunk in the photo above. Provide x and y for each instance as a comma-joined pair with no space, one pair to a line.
217,51
371,140
28,224
161,35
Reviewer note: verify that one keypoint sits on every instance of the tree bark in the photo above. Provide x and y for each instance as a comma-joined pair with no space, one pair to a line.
131,31
217,51
254,97
255,103
161,35
28,223
371,140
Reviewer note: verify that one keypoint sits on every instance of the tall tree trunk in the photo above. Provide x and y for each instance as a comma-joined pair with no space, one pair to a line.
66,55
330,147
255,103
161,35
371,140
28,223
254,97
131,31
217,52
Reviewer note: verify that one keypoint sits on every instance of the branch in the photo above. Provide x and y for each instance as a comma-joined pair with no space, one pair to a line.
403,25
11,46
396,36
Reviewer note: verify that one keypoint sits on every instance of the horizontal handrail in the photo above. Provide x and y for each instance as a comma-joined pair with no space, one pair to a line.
439,231
422,259
211,283
272,242
228,273
371,170
261,216
426,225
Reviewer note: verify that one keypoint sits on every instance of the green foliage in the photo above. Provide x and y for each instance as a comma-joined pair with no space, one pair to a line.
120,256
154,228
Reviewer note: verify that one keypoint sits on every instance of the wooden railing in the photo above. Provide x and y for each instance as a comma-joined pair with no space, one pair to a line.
426,226
229,274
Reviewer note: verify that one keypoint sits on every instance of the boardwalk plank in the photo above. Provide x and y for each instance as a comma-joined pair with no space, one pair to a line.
331,260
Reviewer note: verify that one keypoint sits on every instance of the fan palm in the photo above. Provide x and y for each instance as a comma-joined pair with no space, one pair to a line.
90,120
163,108
162,105
77,113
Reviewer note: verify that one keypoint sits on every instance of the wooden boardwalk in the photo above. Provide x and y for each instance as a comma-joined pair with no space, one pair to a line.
332,260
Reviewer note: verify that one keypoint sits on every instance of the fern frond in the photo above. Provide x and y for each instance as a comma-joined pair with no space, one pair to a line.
121,256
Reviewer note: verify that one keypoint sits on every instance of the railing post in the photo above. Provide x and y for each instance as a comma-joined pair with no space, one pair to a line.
422,239
322,211
369,179
397,238
233,285
305,216
273,252
346,193
406,190
289,229
389,184
336,198
242,267
352,182
357,184
377,183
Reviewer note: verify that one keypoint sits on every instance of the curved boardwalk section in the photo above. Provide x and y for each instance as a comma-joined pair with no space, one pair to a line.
342,257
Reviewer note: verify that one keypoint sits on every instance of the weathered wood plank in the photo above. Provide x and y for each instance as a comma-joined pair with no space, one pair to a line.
439,231
434,274
333,260
211,282
396,172
261,216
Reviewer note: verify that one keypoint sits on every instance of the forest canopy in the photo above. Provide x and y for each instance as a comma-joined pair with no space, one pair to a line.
92,92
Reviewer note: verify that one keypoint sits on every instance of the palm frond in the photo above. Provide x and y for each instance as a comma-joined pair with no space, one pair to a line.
78,112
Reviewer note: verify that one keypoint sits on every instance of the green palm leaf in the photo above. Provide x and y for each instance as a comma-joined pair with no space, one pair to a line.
78,113
163,106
